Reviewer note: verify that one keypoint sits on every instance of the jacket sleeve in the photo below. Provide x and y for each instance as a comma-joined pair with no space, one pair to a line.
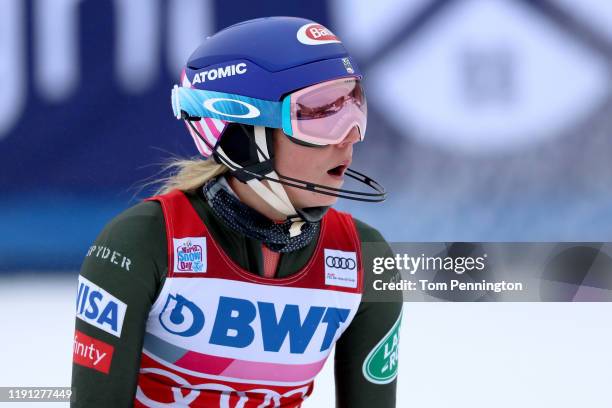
366,356
119,280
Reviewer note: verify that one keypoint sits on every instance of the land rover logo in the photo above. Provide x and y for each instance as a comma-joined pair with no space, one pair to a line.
380,366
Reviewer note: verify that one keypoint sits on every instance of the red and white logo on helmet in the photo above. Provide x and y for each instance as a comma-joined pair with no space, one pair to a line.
316,34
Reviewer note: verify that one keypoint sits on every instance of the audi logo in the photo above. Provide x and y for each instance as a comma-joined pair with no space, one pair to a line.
340,262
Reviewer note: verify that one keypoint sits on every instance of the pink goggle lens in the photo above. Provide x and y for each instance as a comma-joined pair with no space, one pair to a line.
325,113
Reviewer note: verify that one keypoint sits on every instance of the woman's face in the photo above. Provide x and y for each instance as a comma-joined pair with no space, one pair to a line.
320,165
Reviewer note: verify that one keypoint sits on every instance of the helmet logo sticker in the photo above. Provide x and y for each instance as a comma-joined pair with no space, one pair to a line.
218,73
252,111
316,34
348,66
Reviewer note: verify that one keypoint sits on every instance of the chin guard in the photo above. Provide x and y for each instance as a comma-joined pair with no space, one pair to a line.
312,214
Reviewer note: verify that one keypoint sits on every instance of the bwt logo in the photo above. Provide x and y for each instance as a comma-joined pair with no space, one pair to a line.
56,39
234,323
181,316
218,73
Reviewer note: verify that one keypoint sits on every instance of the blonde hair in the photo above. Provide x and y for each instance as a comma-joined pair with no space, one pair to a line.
189,174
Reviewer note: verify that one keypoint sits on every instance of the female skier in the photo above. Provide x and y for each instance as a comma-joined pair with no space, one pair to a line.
232,285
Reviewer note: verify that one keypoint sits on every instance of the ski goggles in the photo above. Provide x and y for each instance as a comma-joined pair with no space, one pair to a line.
320,114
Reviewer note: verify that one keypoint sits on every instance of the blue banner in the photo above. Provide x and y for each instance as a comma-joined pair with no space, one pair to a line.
85,113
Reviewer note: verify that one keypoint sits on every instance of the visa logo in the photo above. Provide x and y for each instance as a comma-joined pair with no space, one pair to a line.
99,308
234,326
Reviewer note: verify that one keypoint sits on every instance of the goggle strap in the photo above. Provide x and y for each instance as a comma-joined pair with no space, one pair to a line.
198,103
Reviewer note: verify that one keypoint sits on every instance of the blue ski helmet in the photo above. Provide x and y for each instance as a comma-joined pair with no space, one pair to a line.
265,58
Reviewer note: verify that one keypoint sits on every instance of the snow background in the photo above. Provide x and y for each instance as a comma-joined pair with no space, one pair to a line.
464,355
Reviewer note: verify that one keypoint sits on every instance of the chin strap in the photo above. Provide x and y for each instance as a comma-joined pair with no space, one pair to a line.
274,193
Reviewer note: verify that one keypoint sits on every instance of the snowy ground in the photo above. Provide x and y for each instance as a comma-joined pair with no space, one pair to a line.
451,355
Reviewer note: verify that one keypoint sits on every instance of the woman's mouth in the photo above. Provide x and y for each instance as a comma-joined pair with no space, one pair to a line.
338,171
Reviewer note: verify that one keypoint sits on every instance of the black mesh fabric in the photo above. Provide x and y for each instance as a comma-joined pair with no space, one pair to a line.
242,218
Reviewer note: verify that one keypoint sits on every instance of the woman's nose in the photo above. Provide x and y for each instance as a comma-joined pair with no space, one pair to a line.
352,137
